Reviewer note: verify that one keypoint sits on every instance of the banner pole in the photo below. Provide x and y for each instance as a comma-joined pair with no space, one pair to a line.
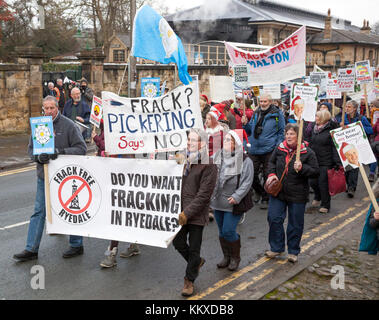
244,104
333,106
366,100
47,193
343,110
368,187
299,138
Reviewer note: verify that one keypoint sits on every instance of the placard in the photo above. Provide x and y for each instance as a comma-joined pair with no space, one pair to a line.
304,99
346,80
96,111
42,135
363,72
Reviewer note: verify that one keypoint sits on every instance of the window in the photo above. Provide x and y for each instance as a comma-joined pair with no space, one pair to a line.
338,60
118,55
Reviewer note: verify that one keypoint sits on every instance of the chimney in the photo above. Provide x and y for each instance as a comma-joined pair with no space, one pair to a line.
328,27
366,28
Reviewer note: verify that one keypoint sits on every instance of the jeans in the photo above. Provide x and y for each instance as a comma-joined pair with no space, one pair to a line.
37,222
320,186
373,167
190,252
258,161
277,211
352,178
227,224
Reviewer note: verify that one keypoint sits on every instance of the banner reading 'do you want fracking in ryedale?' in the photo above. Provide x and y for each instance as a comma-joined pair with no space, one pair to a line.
304,101
148,125
130,200
353,146
278,64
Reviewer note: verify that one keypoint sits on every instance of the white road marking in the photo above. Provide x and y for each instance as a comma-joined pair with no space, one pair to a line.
14,225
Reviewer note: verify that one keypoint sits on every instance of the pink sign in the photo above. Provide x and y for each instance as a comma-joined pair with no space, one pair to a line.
278,64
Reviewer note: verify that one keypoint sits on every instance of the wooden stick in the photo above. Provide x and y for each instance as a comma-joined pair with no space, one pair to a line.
343,109
47,193
244,105
368,187
299,138
333,106
366,100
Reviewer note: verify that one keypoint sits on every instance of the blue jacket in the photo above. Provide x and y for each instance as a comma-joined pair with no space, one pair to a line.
366,124
272,134
369,238
84,110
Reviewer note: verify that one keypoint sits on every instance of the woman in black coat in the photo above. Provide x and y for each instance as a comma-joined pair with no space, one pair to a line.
322,144
293,195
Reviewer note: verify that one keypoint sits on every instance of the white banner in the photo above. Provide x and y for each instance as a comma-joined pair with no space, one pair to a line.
221,88
320,79
346,80
147,125
332,91
278,64
129,200
273,90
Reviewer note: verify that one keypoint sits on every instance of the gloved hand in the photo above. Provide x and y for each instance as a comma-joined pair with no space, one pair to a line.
182,219
42,158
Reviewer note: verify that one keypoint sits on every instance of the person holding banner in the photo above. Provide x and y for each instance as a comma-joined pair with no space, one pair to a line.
68,140
293,195
353,116
327,157
199,179
238,111
236,174
266,131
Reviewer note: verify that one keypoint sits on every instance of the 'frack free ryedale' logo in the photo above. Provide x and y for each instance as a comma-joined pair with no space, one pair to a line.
79,194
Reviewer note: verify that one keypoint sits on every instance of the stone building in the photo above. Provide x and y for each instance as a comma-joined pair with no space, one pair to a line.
332,48
119,48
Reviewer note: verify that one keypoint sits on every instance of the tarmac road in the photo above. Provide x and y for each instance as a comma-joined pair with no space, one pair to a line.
156,273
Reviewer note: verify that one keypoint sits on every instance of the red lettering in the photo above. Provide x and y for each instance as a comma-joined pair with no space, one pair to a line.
236,52
125,143
288,43
281,47
243,55
263,55
273,50
295,40
250,57
256,57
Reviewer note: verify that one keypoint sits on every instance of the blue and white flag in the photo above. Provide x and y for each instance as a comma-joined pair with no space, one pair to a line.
150,87
42,135
154,39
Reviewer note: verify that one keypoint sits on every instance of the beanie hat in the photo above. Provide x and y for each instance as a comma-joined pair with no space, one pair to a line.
239,135
328,104
345,148
206,98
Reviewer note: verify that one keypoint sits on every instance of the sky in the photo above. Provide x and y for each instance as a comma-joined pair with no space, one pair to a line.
353,10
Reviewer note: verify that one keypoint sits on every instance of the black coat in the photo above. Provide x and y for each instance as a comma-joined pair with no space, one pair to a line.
322,144
295,184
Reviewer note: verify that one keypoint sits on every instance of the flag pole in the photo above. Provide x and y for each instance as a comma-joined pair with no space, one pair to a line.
132,88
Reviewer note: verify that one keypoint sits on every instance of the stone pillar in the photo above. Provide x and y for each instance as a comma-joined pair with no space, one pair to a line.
92,68
33,58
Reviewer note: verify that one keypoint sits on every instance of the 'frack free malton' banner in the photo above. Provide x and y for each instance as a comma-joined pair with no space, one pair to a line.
132,200
147,125
278,64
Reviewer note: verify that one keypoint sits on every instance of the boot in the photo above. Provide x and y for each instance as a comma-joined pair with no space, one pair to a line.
133,250
226,251
110,258
235,254
188,288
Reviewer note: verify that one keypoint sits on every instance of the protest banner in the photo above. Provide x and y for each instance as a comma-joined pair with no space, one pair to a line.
221,88
43,142
272,89
285,61
354,150
96,111
363,72
145,125
332,91
150,87
132,200
304,99
163,87
376,86
346,80
320,79
240,77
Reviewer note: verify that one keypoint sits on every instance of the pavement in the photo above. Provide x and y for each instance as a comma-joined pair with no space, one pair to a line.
14,151
258,278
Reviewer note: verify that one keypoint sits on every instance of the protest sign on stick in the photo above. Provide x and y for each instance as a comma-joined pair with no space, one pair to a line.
132,200
354,150
346,82
43,142
144,125
96,111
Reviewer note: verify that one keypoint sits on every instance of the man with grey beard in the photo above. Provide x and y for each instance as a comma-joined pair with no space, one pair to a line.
76,109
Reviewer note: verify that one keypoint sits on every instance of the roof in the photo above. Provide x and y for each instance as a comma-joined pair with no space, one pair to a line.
344,36
260,11
124,37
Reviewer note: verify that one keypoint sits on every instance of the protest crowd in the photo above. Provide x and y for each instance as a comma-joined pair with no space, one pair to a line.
252,153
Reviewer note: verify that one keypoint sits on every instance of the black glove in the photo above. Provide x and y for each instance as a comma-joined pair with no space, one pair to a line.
57,152
337,167
42,158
